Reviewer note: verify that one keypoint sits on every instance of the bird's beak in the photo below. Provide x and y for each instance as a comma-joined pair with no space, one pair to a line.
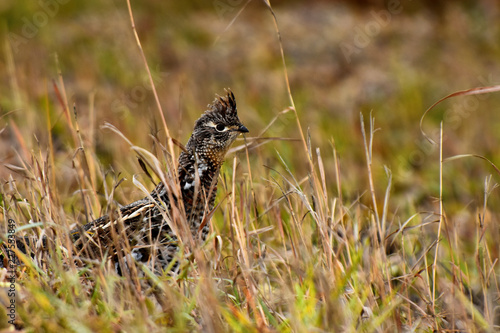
242,129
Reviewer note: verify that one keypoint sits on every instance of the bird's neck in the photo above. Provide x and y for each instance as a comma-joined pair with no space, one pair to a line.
198,175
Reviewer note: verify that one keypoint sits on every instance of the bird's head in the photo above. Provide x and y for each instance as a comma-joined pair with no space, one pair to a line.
217,129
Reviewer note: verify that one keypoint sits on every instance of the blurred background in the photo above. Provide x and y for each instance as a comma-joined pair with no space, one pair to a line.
392,59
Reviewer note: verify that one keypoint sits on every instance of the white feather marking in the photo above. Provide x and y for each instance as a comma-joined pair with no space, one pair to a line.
137,212
136,255
201,168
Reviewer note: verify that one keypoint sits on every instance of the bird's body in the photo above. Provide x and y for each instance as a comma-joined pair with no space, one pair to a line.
148,225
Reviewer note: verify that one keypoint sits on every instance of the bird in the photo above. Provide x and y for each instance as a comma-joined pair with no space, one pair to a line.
149,223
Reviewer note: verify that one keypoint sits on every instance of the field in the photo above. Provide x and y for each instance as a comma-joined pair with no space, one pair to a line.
343,210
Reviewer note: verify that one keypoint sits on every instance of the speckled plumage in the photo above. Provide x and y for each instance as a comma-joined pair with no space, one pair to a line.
145,221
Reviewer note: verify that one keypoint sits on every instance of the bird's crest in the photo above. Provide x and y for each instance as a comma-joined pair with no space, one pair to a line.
225,106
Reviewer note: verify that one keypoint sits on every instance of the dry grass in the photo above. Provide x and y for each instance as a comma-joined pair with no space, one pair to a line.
312,234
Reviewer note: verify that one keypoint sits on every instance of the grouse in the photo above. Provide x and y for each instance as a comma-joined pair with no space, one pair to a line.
149,225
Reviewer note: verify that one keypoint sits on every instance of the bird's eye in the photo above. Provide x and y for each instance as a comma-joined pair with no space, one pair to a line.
220,128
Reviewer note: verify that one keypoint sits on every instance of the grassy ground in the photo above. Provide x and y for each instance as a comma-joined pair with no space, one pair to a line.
337,216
